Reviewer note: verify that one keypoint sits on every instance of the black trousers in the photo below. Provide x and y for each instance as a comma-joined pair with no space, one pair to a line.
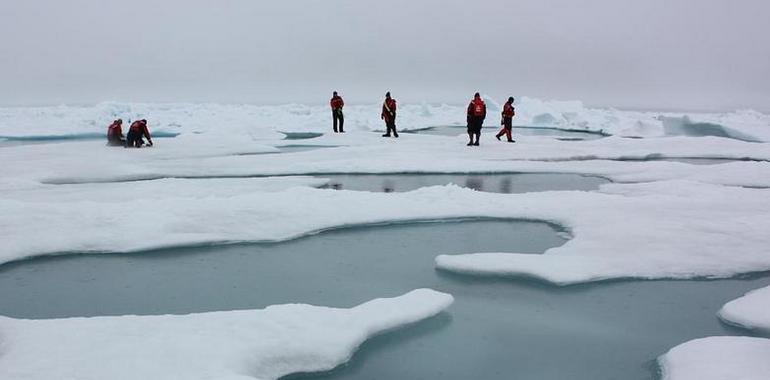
338,117
474,124
134,139
391,126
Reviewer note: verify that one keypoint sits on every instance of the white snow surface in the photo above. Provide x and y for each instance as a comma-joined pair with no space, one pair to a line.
718,358
246,344
752,311
216,183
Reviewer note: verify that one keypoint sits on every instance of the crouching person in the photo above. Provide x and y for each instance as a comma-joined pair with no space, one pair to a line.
115,134
138,130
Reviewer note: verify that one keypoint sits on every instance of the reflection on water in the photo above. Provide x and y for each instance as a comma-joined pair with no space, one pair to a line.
496,183
475,183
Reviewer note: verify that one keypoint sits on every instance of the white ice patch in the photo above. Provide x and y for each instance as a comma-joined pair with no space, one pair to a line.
752,311
658,230
718,358
680,225
247,344
673,229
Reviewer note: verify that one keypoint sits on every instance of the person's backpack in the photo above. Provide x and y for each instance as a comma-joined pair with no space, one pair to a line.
478,109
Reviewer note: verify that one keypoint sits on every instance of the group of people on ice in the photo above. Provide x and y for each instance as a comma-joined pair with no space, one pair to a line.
137,132
477,112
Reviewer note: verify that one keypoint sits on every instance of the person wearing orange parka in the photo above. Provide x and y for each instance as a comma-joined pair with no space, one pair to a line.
115,134
477,112
389,115
507,121
336,103
138,130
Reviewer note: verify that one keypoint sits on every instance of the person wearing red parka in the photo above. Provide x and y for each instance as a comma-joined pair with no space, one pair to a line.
115,134
336,104
477,112
507,121
389,115
138,130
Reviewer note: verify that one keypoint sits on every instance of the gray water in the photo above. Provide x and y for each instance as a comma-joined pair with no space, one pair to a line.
496,329
495,183
301,135
518,130
6,142
293,148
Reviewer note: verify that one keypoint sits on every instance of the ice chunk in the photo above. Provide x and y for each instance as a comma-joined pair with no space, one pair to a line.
246,344
718,358
751,311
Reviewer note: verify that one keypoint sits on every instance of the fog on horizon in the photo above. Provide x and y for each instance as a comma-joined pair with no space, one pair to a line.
676,54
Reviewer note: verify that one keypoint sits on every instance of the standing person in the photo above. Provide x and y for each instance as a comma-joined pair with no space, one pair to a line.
507,122
115,134
477,111
389,115
337,103
138,130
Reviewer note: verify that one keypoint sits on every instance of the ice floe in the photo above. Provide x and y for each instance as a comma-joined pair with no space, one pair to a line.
752,311
246,344
718,358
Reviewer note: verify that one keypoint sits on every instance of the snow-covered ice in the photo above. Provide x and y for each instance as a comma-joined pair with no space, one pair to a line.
718,358
224,178
660,220
752,311
247,344
256,121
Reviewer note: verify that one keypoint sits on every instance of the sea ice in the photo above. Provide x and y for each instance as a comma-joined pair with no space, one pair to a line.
245,344
752,311
718,358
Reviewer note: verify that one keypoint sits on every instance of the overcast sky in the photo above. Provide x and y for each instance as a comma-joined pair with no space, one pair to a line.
678,54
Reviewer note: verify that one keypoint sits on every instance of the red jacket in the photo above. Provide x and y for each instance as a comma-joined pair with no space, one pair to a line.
477,108
139,126
389,109
114,131
336,103
508,111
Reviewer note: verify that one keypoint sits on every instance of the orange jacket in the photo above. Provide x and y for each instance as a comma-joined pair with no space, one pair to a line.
508,111
336,103
114,131
477,108
389,109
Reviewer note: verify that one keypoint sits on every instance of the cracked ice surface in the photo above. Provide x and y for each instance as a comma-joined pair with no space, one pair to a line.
247,344
718,358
